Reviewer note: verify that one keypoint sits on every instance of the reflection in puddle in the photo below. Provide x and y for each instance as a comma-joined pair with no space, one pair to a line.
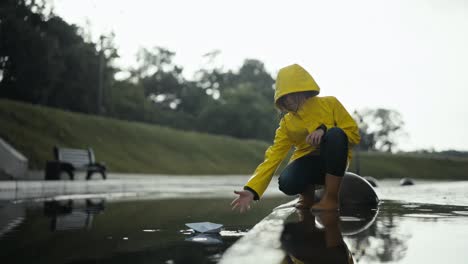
426,215
112,231
187,231
396,233
410,205
72,214
108,231
460,212
237,233
206,239
401,231
11,216
306,242
350,219
151,230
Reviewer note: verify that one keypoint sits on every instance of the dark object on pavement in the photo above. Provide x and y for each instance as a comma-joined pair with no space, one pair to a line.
357,191
70,160
406,182
371,180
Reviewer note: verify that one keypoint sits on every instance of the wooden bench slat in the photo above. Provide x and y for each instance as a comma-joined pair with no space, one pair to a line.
75,159
78,163
75,152
66,157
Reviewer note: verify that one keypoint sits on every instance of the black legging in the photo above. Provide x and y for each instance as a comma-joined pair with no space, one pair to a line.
311,169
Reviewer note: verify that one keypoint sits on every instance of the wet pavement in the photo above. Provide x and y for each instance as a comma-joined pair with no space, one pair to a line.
424,223
161,186
120,231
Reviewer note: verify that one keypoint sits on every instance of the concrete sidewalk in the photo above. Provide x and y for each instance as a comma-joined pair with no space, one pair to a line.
262,243
137,184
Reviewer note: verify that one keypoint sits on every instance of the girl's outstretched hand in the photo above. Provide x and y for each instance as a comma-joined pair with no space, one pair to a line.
243,201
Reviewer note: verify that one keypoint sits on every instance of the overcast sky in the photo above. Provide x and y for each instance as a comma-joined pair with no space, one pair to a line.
409,56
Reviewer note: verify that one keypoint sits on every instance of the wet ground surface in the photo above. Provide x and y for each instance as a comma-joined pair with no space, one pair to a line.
121,231
395,233
425,223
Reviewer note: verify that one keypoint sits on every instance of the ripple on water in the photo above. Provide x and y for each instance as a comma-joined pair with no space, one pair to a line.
427,215
411,205
230,233
426,210
210,239
151,230
187,231
351,219
460,212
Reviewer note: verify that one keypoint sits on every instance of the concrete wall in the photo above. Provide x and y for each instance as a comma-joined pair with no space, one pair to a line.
12,162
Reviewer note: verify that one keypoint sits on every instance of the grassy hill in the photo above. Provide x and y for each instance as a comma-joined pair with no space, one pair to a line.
384,165
124,146
142,148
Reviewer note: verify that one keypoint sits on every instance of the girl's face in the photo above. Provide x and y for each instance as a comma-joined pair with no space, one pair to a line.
292,102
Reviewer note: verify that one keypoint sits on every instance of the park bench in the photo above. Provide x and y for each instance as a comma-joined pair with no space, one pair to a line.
70,160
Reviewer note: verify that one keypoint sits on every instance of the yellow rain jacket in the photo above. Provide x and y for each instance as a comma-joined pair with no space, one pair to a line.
294,127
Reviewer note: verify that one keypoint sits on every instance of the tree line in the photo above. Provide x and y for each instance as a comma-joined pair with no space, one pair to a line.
44,60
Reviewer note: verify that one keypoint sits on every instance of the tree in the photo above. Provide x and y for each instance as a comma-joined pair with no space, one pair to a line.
127,101
160,78
193,99
244,113
379,128
44,60
244,100
252,72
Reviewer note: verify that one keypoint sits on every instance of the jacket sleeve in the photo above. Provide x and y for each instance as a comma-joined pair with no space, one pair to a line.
273,157
344,121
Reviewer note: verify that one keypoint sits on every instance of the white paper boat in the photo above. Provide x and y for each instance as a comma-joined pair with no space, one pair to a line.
205,227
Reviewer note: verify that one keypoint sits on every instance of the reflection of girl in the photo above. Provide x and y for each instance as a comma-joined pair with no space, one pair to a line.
322,132
304,243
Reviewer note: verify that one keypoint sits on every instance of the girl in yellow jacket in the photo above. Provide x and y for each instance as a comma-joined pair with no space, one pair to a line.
322,133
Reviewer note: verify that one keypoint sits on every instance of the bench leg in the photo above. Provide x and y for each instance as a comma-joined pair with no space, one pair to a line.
70,174
52,170
90,173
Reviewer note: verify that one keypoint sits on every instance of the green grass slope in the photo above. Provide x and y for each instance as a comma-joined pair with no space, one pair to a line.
384,165
142,148
124,146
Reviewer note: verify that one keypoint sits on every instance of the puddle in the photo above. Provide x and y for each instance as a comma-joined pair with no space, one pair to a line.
153,231
112,231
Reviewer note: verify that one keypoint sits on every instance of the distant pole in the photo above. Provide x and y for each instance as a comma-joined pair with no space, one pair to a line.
100,77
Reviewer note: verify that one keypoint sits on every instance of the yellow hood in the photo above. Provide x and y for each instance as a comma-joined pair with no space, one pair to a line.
293,79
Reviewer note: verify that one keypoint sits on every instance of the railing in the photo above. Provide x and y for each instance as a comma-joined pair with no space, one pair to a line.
12,162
